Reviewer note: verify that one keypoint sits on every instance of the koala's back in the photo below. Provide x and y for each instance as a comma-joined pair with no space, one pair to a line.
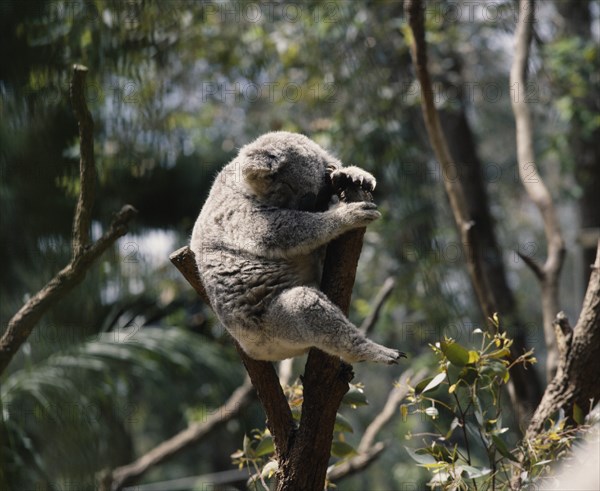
239,278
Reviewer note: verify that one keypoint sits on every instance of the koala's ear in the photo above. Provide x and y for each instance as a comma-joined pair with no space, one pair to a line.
260,164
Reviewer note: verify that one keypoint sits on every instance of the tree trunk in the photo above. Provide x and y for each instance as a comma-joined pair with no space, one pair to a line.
576,380
461,142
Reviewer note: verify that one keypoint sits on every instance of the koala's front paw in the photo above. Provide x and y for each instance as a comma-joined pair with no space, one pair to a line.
341,178
358,214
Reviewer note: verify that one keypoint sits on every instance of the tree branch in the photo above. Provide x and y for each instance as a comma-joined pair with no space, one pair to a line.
326,377
23,322
357,463
534,185
87,167
386,290
194,433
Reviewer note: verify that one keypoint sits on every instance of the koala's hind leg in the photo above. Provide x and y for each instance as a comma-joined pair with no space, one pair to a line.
305,317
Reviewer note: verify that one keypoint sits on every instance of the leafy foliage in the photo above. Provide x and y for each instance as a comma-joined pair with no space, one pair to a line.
89,393
468,448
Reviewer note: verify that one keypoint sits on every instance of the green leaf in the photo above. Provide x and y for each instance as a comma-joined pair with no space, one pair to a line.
479,417
578,415
456,354
421,459
453,426
501,353
502,448
355,397
342,424
265,446
342,449
434,382
422,384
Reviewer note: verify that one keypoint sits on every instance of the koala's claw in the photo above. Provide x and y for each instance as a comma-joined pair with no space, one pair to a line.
381,354
399,354
342,177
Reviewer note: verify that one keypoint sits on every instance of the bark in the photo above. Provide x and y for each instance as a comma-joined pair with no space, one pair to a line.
576,381
475,238
549,272
21,325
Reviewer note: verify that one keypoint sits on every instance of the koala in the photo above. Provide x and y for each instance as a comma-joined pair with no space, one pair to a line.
259,243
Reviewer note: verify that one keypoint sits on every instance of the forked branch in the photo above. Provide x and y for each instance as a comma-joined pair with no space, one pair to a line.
549,273
84,254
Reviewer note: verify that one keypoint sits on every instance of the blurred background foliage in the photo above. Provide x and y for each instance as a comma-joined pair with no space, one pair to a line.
175,88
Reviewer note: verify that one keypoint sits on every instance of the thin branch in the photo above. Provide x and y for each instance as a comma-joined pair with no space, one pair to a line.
414,10
533,183
395,397
193,434
87,167
386,290
533,265
356,464
368,451
23,322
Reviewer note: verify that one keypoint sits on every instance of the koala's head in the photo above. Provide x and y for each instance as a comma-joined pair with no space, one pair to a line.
288,170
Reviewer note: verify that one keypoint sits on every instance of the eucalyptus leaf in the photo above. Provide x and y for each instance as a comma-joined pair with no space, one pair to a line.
456,354
342,449
355,397
421,459
434,382
342,425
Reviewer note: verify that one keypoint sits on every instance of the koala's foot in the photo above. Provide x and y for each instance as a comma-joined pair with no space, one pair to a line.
380,354
341,178
303,317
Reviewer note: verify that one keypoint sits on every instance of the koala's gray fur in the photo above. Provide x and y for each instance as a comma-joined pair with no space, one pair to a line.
259,243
